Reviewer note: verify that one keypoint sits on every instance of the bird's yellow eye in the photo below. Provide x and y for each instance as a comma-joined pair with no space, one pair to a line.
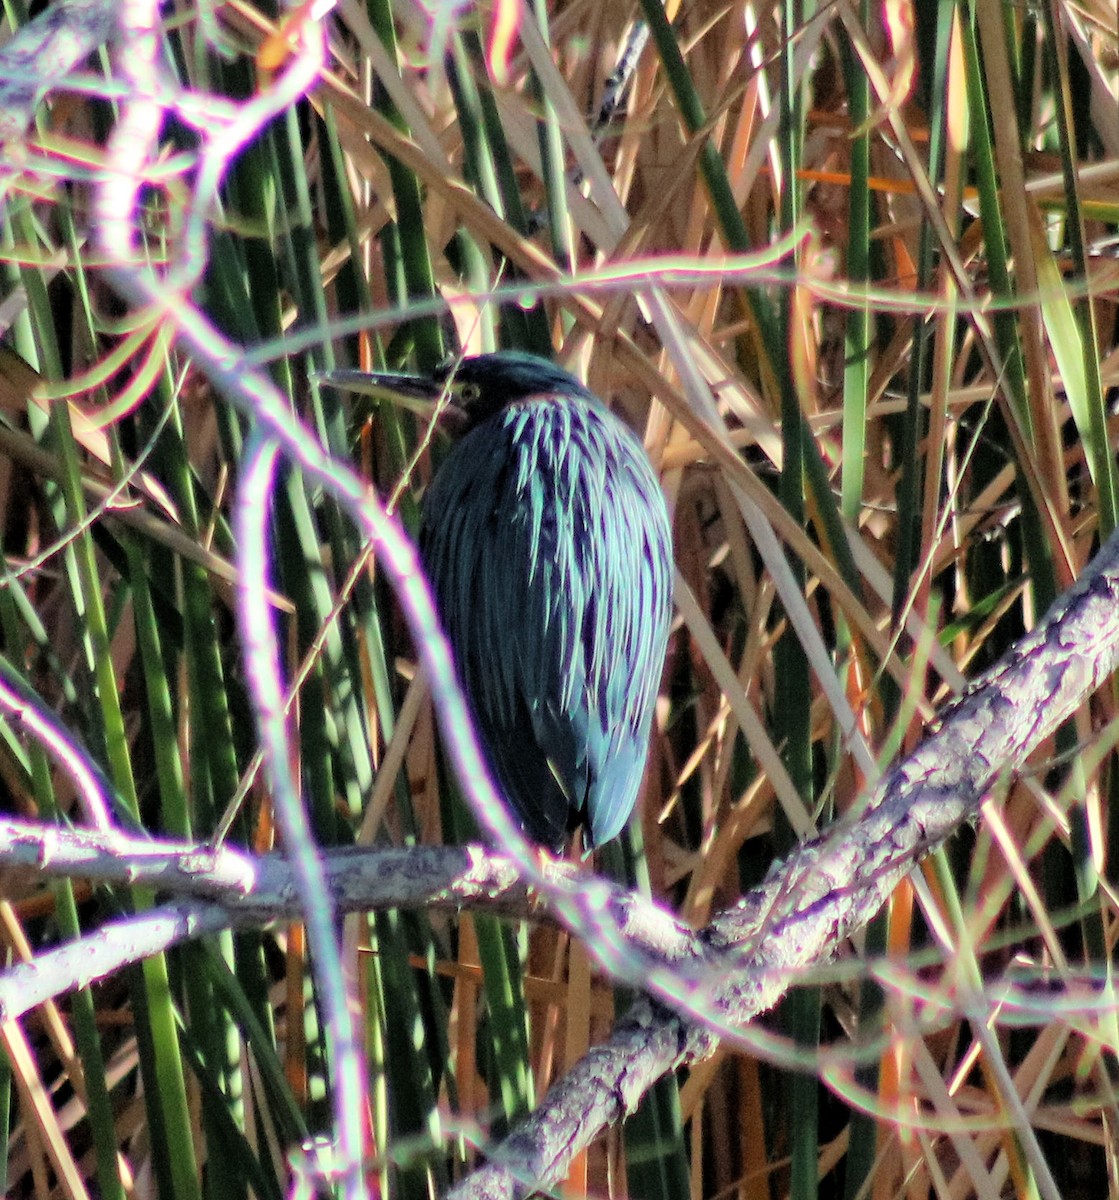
469,393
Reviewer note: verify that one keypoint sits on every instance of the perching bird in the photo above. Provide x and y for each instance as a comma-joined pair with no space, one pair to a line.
549,552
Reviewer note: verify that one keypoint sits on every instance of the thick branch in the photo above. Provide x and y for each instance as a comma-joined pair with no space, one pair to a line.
259,889
230,887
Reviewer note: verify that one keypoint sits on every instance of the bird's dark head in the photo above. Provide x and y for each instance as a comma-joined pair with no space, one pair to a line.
467,391
481,387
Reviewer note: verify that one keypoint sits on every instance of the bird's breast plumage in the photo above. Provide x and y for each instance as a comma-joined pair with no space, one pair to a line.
548,546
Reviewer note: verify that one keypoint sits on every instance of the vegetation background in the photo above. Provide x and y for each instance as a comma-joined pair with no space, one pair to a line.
912,377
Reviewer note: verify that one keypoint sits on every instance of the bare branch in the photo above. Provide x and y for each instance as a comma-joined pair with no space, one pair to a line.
232,888
42,55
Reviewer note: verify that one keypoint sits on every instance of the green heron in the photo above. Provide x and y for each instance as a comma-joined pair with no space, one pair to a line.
546,540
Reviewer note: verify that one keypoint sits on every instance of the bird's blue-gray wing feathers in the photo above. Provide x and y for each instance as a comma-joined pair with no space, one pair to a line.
548,546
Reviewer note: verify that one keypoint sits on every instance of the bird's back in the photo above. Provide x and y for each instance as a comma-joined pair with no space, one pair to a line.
548,545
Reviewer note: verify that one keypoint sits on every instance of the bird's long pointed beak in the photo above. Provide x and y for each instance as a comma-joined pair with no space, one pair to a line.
421,396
